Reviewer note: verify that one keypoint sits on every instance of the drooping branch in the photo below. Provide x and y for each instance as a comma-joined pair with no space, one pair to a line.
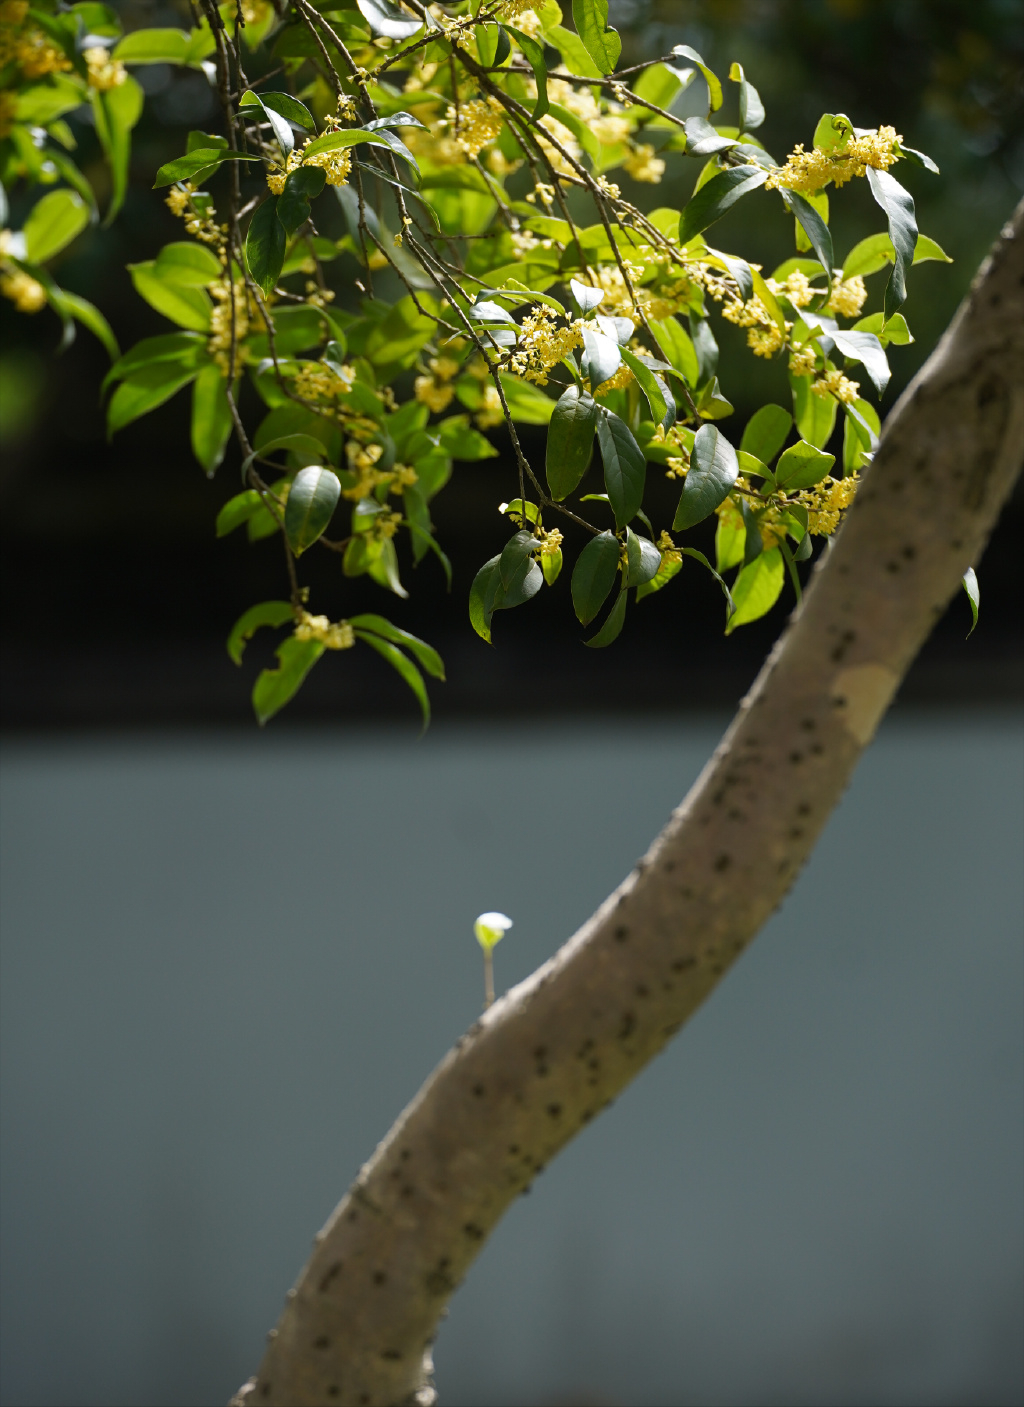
552,1053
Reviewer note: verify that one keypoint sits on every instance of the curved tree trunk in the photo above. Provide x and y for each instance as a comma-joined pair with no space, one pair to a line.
552,1053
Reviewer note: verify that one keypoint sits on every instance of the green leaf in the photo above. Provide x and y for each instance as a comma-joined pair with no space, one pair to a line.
238,510
815,416
188,307
481,598
402,666
551,565
895,330
730,538
516,552
751,106
185,347
70,304
757,588
188,265
153,46
311,503
671,565
145,390
712,473
266,613
683,51
704,140
526,404
813,225
458,439
275,687
643,559
116,113
833,132
53,223
265,246
802,465
346,137
898,205
302,185
612,627
426,654
699,556
625,468
864,347
534,55
970,584
766,432
211,417
183,168
719,195
648,383
876,251
602,43
678,349
594,575
860,433
570,440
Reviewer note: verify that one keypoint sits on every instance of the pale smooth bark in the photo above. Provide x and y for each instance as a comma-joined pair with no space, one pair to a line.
552,1053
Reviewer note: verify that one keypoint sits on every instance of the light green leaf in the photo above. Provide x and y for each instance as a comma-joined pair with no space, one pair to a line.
766,432
311,503
801,466
570,441
266,613
864,347
601,42
275,687
970,584
678,349
751,106
712,473
185,347
188,265
153,46
730,537
211,417
671,566
574,53
860,434
238,510
346,137
815,416
53,223
594,575
683,51
648,383
895,330
147,388
534,55
71,305
757,588
116,113
184,168
188,307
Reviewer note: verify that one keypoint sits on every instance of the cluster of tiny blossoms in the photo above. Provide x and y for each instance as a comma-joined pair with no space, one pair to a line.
225,295
362,460
104,72
317,382
825,503
811,170
26,45
764,336
475,124
436,391
832,382
336,636
543,344
643,165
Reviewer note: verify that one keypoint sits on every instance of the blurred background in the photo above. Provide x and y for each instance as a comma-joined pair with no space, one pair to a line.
814,1195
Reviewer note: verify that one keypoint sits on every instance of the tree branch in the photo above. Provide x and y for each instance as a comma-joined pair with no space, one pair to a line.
552,1053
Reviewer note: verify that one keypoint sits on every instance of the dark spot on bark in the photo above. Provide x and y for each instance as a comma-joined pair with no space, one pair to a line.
621,933
989,391
669,866
681,964
392,1355
265,1389
671,1030
405,1155
540,1052
333,1390
839,701
816,749
957,543
585,1049
909,552
803,809
364,1398
513,1148
593,1063
722,863
716,968
796,832
808,725
330,1274
554,1111
408,1191
322,1341
353,1216
379,1278
473,1231
686,891
478,1091
896,486
737,947
892,568
586,1116
627,1025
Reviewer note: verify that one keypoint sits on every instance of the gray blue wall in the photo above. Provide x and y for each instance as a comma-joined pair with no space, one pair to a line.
229,960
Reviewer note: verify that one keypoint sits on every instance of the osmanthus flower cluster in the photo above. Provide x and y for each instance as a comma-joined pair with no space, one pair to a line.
480,175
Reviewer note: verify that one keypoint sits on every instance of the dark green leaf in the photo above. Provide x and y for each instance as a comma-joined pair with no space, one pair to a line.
185,347
705,348
649,384
275,687
183,168
534,54
188,307
864,347
279,125
403,667
211,417
625,468
602,357
678,349
860,434
813,225
570,440
683,51
671,566
704,140
692,552
342,138
265,246
601,43
289,107
116,112
712,473
898,205
302,185
643,558
517,551
802,465
612,627
481,598
970,584
766,432
716,197
266,613
458,439
594,575
311,503
751,106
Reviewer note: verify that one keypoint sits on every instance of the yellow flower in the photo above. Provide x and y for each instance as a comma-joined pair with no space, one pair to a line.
802,360
317,382
339,636
476,123
810,170
643,165
25,293
219,343
834,383
543,344
104,72
797,288
336,164
848,296
178,199
437,396
490,412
